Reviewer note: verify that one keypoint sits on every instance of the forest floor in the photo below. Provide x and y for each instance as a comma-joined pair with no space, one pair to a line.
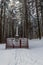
29,56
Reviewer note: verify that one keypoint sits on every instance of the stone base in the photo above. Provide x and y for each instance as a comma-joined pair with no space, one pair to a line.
17,43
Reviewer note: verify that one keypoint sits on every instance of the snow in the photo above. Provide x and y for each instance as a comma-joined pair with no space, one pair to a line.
2,46
31,56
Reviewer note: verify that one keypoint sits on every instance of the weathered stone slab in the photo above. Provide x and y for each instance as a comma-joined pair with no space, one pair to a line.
16,42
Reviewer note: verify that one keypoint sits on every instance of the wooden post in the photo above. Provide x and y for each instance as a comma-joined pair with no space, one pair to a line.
20,43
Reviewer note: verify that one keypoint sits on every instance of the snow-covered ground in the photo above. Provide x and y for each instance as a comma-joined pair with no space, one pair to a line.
2,46
31,56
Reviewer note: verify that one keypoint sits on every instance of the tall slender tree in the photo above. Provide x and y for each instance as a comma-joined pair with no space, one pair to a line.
39,31
1,21
26,20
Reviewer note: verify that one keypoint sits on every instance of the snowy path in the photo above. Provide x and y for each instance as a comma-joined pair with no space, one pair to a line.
32,56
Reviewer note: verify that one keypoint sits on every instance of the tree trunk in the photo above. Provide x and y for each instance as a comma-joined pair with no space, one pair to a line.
38,20
26,20
1,22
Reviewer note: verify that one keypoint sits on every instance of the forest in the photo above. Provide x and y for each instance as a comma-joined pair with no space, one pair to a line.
27,15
